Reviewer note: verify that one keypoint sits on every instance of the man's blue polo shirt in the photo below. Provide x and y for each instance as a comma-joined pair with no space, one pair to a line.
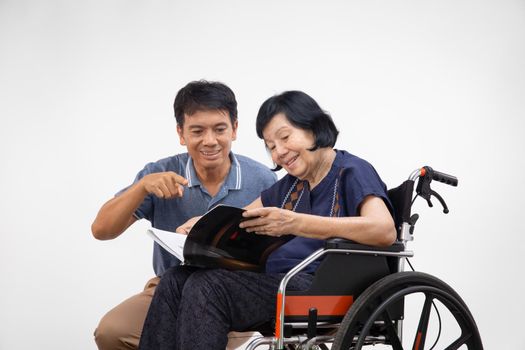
244,183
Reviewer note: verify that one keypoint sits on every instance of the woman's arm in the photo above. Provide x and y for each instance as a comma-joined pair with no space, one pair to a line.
255,204
374,226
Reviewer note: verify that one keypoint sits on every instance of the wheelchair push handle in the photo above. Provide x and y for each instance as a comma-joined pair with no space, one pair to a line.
425,175
439,176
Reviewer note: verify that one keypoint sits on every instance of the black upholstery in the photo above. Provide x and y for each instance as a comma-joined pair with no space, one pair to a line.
401,199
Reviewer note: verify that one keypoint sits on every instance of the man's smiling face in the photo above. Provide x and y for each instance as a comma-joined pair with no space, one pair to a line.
208,136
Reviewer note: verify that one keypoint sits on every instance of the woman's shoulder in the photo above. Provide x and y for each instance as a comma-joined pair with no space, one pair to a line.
356,169
344,159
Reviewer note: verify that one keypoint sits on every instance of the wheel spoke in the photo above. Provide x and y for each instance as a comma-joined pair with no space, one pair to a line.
421,334
459,342
392,332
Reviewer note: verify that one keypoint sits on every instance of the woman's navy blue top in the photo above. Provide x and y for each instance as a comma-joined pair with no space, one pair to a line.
348,182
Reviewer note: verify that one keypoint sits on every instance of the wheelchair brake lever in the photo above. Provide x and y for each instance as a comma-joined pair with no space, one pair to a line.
440,199
413,219
412,222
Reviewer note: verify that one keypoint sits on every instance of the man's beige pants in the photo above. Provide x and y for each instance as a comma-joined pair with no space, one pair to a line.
121,327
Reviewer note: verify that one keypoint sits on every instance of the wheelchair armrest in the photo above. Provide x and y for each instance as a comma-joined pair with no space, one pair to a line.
341,243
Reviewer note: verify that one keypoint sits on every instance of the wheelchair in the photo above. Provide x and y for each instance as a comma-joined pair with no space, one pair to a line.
362,297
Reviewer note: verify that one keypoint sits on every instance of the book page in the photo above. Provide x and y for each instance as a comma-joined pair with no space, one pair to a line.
171,241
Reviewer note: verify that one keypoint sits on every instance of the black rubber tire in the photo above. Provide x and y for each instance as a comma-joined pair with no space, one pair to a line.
388,291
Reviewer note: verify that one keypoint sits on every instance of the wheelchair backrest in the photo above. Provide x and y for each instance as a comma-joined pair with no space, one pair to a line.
401,199
346,276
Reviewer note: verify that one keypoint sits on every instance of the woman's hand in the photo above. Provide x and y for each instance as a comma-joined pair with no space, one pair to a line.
269,221
185,228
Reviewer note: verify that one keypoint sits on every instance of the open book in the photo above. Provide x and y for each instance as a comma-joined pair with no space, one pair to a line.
171,241
216,240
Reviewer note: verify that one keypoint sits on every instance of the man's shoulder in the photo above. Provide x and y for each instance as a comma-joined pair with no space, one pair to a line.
255,173
252,165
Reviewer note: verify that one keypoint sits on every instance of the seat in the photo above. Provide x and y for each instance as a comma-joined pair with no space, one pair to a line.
358,294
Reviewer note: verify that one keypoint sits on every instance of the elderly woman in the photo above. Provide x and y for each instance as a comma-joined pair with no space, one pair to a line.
326,193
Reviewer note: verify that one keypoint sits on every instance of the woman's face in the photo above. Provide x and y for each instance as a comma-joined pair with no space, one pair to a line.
289,146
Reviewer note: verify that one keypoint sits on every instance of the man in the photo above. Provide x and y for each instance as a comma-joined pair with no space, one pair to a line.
172,190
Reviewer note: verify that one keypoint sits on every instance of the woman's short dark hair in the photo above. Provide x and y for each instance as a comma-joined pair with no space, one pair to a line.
302,112
204,95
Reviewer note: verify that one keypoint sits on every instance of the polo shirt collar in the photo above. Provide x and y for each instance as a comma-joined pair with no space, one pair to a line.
233,180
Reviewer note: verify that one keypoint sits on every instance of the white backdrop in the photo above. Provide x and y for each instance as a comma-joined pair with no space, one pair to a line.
86,89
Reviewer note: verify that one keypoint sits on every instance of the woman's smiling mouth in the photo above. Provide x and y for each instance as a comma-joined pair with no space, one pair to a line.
291,161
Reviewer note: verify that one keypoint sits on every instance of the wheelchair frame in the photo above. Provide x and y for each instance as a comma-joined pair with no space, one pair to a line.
387,293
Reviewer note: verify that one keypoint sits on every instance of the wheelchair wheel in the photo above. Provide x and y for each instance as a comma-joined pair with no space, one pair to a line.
410,298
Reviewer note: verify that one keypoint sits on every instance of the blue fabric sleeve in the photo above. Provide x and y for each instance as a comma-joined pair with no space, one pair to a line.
145,209
358,182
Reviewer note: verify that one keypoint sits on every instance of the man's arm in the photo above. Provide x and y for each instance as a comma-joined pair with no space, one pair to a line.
116,215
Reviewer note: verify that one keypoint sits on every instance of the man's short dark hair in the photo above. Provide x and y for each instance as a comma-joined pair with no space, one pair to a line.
204,95
303,112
